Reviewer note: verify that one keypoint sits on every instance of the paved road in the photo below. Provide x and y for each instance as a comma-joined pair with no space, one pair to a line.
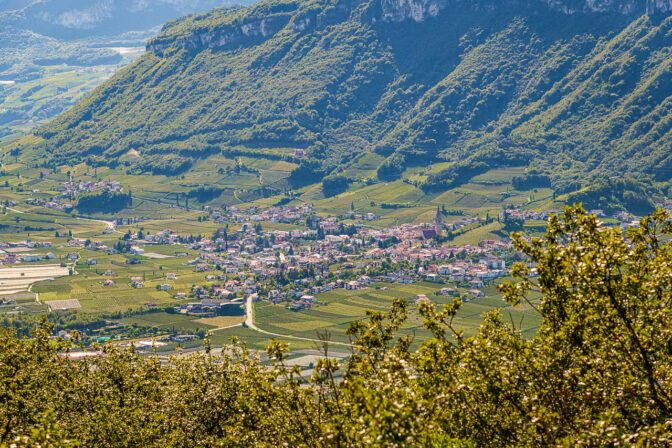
110,224
249,321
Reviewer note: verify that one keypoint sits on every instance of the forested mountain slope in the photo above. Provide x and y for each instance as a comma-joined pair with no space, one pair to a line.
577,90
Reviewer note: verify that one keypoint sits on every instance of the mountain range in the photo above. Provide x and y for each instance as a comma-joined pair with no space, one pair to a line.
578,91
77,19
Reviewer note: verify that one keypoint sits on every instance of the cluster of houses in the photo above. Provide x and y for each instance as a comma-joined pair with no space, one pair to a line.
624,218
288,215
474,273
527,215
253,255
211,307
21,252
56,203
294,267
72,188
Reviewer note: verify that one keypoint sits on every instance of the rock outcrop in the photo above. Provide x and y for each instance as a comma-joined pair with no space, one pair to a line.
256,26
417,10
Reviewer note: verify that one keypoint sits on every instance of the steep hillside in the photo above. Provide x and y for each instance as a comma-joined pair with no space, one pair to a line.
577,90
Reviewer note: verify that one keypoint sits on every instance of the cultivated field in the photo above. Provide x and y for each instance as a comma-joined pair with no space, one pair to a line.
21,278
155,202
342,307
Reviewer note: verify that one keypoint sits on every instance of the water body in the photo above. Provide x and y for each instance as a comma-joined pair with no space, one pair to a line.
127,51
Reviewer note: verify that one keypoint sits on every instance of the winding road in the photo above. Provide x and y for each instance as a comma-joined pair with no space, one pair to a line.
249,322
111,225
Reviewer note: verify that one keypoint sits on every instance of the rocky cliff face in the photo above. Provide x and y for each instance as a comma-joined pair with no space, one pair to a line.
659,6
255,26
620,6
593,6
240,28
237,34
419,10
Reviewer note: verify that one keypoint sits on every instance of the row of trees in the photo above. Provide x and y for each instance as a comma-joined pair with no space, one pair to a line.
598,372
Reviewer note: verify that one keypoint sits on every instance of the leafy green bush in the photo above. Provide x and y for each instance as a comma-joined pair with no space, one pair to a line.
334,185
205,194
392,168
531,179
616,194
105,202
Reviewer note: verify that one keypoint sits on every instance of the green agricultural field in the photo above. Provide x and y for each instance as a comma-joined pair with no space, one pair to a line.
167,322
255,340
477,233
41,224
155,196
340,307
87,285
400,202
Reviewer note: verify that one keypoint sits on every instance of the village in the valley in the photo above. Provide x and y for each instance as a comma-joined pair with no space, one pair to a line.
287,270
242,263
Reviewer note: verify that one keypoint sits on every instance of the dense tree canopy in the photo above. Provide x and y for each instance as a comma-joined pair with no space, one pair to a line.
598,371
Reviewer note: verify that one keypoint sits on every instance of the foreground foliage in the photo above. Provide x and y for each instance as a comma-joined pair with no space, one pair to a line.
597,373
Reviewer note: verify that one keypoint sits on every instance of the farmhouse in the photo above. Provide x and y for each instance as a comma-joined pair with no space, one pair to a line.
476,293
353,286
211,308
305,302
421,298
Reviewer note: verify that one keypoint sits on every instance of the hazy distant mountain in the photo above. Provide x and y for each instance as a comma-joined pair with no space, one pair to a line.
40,39
74,19
11,5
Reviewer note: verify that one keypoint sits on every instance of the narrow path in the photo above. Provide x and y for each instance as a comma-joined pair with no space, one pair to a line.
226,328
15,210
111,226
37,294
249,321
